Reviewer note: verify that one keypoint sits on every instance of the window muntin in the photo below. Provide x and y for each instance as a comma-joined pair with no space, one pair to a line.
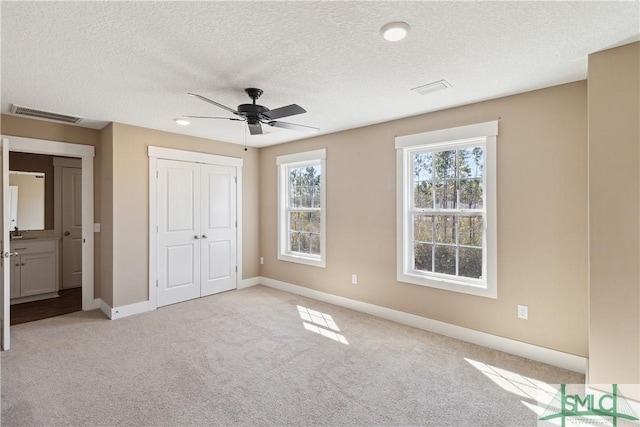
446,209
301,208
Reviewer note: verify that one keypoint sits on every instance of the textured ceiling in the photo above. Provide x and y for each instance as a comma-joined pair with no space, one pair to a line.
134,62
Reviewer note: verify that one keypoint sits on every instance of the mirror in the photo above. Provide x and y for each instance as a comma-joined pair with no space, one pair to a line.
27,200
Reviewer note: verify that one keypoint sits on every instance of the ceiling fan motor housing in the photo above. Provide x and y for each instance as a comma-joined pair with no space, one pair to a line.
251,111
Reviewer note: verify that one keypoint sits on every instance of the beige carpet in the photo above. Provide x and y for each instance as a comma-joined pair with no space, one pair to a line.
257,357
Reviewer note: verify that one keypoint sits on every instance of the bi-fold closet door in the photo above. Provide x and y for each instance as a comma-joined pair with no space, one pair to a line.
197,228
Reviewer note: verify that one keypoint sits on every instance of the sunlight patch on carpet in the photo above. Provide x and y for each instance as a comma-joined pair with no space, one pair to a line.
321,323
526,387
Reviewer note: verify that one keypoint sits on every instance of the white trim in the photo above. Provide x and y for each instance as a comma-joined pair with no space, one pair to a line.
54,148
470,135
86,153
530,351
156,153
125,310
450,134
193,156
302,157
105,308
247,283
131,309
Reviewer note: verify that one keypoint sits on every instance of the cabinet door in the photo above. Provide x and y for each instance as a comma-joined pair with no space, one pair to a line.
15,276
38,273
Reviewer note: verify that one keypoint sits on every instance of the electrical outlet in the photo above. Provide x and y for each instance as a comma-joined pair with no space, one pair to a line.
354,279
261,260
523,312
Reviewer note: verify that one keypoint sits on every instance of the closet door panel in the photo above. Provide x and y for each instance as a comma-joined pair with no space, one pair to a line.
219,229
179,217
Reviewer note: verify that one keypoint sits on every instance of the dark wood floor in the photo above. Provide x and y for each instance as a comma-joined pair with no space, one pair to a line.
69,301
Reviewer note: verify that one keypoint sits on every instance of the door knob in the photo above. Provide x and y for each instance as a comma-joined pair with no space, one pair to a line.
196,237
66,233
204,236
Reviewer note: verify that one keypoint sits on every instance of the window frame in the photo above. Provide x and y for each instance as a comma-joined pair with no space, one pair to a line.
480,134
284,164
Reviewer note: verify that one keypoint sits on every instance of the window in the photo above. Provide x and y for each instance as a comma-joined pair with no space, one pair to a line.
301,207
447,209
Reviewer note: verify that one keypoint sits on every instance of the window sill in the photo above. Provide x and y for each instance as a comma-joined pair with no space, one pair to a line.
299,259
449,285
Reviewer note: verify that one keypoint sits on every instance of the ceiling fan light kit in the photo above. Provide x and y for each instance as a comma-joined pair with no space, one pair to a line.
256,115
395,31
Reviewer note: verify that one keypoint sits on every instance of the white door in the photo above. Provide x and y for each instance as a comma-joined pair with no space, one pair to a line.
5,314
218,229
178,247
71,227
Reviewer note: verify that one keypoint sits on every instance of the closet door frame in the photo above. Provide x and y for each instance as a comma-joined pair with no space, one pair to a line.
156,153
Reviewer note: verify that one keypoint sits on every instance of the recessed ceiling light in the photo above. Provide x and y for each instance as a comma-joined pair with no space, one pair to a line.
181,122
394,31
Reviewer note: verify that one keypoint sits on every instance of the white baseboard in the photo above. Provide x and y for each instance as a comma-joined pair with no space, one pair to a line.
246,283
105,308
507,345
125,310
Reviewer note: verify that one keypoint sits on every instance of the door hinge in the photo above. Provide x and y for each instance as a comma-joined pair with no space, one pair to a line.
236,224
156,174
156,283
235,178
236,268
157,229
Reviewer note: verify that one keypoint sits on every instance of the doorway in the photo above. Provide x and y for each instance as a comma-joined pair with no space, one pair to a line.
86,154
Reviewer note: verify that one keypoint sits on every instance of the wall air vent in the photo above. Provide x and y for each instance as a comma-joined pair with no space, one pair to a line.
432,87
45,115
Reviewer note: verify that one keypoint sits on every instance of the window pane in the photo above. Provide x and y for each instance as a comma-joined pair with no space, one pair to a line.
470,230
422,228
423,195
294,241
470,193
315,244
445,164
445,229
470,262
423,257
470,162
422,166
446,194
311,222
445,259
304,182
305,246
305,221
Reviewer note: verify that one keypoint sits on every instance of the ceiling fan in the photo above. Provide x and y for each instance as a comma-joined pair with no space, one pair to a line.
256,115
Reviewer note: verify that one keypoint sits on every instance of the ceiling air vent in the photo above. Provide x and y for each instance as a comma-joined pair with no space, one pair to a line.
432,87
40,114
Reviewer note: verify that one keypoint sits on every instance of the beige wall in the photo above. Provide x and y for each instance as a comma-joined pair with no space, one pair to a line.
614,209
40,129
542,219
131,205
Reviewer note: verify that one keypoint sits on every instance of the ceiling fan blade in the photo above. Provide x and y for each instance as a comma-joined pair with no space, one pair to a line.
293,126
286,111
209,117
255,129
231,110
